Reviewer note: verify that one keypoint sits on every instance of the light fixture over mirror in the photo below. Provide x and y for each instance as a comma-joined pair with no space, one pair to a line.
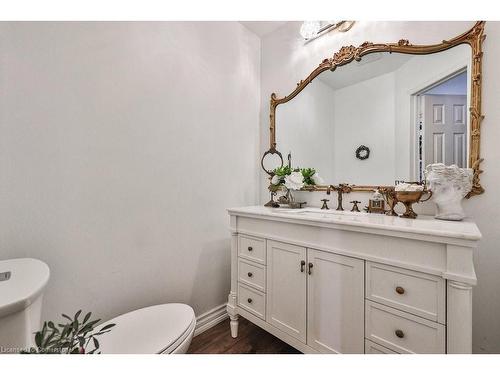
313,29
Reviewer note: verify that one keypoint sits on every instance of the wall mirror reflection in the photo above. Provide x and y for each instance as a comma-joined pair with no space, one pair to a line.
381,119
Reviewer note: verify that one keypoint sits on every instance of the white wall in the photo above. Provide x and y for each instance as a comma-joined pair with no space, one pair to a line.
121,146
286,60
306,124
364,117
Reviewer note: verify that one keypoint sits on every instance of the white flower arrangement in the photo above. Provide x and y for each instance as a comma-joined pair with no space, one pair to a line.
275,180
296,179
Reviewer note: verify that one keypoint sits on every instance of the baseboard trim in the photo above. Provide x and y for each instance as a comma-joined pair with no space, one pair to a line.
210,318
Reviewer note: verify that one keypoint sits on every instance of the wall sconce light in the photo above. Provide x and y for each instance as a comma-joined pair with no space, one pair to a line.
313,29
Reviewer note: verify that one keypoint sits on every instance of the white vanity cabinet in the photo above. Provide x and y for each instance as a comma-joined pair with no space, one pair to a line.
353,283
335,293
316,297
287,286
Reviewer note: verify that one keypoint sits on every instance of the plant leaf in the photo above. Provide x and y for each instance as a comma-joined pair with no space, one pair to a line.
67,317
107,326
48,339
96,343
77,315
69,338
38,339
94,322
87,317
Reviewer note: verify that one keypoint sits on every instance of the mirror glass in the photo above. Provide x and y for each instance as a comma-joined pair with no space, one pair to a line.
406,110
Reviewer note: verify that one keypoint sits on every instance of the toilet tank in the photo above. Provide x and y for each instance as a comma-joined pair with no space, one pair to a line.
22,282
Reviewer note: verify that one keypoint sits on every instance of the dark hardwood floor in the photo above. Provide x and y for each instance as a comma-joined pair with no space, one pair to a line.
251,340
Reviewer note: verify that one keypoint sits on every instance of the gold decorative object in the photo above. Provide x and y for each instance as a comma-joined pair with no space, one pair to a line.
340,189
389,194
376,204
473,37
408,198
271,152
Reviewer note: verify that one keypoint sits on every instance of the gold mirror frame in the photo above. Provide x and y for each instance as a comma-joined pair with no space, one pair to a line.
474,38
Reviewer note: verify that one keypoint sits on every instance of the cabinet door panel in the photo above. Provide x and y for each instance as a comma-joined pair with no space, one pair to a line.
286,293
335,322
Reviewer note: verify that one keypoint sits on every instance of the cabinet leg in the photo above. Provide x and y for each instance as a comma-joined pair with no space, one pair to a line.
233,315
459,322
234,326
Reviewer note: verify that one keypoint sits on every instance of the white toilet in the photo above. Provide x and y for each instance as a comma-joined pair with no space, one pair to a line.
166,329
162,329
22,282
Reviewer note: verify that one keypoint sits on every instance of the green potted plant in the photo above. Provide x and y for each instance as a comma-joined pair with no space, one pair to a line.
286,179
71,337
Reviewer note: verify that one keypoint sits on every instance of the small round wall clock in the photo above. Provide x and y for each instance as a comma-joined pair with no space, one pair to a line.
362,152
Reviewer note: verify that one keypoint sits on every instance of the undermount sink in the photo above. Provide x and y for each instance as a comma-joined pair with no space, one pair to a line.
317,212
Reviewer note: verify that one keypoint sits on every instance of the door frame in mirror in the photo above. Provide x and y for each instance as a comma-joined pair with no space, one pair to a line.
473,37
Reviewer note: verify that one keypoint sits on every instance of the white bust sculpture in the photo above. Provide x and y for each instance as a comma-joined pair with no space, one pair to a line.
449,185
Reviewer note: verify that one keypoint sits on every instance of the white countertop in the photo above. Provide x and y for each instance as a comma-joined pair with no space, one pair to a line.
427,225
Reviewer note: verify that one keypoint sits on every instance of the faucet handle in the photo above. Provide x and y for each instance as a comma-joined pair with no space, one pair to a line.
355,206
325,206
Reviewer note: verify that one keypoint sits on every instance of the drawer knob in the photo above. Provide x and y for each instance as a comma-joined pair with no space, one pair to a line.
400,290
250,248
249,300
399,333
250,274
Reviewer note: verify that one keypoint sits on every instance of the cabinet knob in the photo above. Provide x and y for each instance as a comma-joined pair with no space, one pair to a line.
302,264
400,290
250,274
250,248
249,300
309,270
399,333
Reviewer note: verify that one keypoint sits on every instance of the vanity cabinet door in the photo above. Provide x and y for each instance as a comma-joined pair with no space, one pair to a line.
335,303
286,288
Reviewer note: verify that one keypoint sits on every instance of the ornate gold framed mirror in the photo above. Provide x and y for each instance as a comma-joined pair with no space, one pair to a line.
381,112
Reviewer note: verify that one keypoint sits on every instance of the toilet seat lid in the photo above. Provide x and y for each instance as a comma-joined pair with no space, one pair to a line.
153,329
21,282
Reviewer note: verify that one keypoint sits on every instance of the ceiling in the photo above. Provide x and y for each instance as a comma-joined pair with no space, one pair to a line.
262,28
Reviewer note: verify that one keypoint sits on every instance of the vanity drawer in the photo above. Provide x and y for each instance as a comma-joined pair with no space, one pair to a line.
252,248
403,332
252,274
252,300
374,348
415,292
